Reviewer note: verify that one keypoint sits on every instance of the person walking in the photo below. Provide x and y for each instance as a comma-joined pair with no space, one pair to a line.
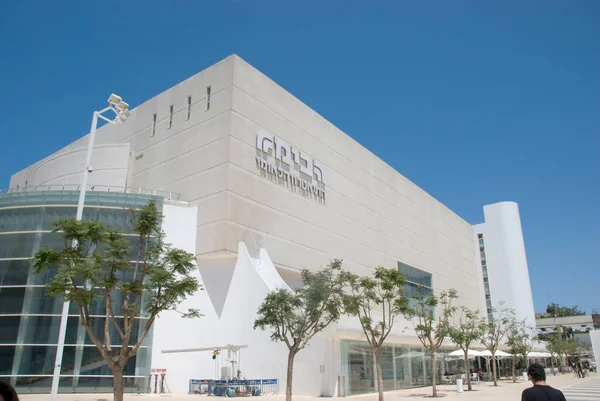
580,369
540,390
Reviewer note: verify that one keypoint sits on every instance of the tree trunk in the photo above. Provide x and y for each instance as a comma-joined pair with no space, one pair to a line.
494,369
118,383
379,373
467,372
290,376
433,373
560,364
552,362
514,366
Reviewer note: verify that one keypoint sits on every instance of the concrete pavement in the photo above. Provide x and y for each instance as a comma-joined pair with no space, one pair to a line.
575,389
588,390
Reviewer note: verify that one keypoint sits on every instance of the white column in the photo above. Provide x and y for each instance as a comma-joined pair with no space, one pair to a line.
79,214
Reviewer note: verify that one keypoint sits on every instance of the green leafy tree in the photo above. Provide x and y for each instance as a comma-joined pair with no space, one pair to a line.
296,317
560,344
529,340
94,269
571,348
471,326
496,333
519,339
377,301
556,310
554,347
430,330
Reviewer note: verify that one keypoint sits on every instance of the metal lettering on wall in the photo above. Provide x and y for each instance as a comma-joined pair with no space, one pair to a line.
290,166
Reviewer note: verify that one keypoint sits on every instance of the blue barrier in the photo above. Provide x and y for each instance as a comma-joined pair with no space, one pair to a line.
234,388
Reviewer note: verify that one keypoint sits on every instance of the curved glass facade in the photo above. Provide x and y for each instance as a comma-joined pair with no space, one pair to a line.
402,366
30,320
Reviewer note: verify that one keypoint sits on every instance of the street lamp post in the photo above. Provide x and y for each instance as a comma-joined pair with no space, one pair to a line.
121,109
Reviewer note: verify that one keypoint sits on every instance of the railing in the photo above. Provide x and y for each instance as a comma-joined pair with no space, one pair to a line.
232,388
167,195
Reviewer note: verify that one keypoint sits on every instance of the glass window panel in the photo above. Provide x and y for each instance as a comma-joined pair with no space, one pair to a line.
92,362
387,367
70,196
33,217
402,367
87,359
133,244
402,362
11,300
24,245
74,329
84,384
39,210
97,324
417,367
29,300
14,272
37,360
415,275
7,355
413,289
9,329
98,305
358,368
39,329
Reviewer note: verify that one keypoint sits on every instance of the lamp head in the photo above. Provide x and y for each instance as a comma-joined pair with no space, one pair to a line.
114,99
122,106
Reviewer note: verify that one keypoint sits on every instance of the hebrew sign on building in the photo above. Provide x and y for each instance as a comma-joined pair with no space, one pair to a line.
289,165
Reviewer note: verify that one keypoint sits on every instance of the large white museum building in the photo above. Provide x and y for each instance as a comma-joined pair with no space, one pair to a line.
258,186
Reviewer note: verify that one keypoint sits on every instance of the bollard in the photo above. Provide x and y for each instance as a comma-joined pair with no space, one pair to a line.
459,386
525,376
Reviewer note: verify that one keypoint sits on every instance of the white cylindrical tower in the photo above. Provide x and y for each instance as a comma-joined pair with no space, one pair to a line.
506,259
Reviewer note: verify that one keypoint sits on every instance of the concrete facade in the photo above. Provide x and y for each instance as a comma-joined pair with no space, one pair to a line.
371,216
272,177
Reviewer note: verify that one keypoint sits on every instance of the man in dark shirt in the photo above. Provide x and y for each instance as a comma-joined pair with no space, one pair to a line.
540,390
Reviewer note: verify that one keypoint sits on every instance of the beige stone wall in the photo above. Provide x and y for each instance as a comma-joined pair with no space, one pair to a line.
372,215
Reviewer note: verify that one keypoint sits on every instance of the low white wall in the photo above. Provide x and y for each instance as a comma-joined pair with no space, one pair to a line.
595,339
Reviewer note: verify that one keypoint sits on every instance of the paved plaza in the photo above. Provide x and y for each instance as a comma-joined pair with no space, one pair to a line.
575,389
585,391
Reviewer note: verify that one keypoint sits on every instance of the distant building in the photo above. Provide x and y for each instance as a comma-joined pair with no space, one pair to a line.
576,327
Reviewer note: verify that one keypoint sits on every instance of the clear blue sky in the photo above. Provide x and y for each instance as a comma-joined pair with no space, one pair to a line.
475,101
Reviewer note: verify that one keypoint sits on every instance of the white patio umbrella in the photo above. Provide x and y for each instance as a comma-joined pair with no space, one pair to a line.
499,353
536,354
471,353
